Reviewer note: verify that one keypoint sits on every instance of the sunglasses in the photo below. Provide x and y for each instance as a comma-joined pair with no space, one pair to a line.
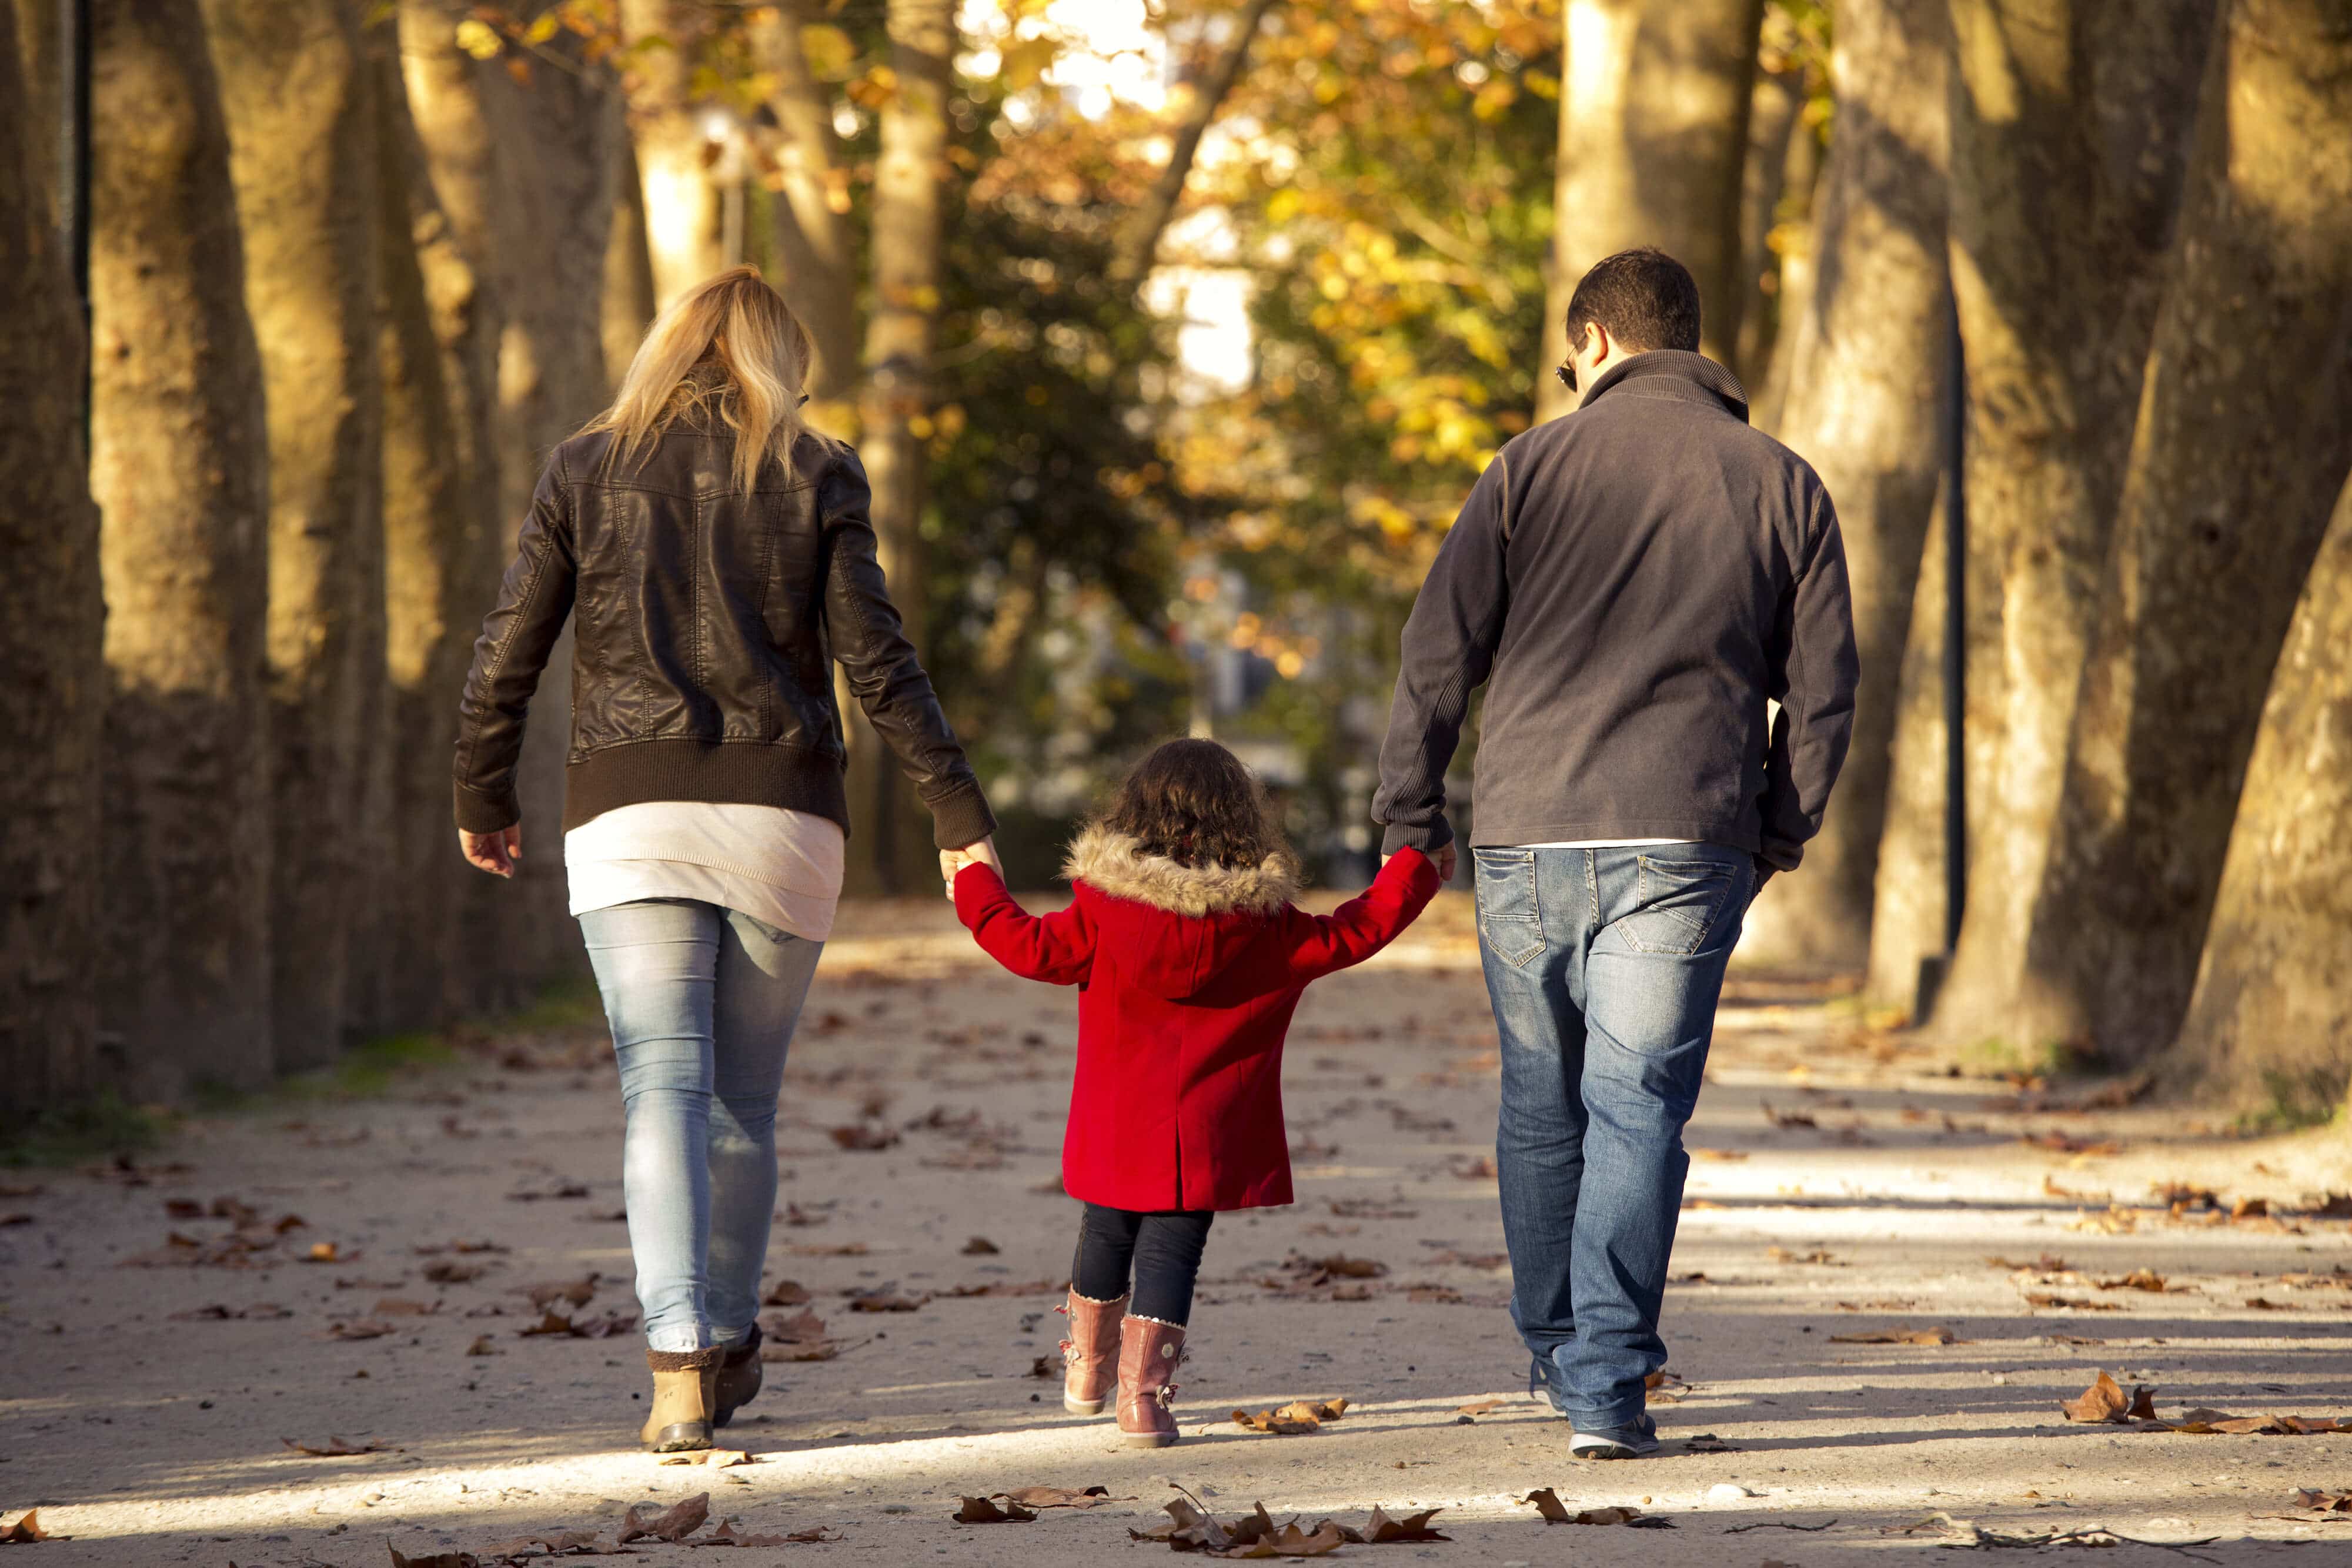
1567,374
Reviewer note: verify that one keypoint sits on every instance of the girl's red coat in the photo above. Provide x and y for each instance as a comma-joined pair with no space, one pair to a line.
1187,982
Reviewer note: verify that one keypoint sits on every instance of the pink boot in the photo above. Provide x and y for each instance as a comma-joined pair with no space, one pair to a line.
1148,1353
1090,1356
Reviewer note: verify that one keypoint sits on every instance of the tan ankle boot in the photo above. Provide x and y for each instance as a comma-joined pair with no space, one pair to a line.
1090,1356
738,1381
1148,1353
683,1389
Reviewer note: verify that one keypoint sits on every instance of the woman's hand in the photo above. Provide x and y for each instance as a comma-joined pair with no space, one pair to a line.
953,861
493,852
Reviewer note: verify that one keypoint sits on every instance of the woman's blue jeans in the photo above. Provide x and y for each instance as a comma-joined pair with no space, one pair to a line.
1604,966
702,1001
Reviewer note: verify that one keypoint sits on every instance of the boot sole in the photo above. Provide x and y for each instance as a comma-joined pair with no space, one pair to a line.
1148,1439
1085,1406
682,1436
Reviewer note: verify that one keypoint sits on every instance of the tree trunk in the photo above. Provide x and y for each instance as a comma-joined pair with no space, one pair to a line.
683,219
1795,264
40,66
1653,104
294,90
431,525
52,614
525,172
1138,235
908,190
179,468
449,188
1774,122
628,306
2269,1027
2070,131
2245,435
1869,358
815,240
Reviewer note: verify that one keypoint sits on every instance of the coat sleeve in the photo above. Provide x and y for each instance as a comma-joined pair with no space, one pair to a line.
1814,671
1058,949
882,669
1321,944
534,599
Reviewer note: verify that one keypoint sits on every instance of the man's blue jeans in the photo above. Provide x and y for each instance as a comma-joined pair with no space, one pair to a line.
702,1001
1604,966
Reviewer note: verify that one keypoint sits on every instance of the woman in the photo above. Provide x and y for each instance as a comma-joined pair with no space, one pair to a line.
719,558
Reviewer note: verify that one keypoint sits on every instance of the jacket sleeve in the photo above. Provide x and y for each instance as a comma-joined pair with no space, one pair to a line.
1814,671
534,599
1321,944
882,667
1058,949
1449,645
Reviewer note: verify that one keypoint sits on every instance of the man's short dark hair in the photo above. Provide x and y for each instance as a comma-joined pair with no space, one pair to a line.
1644,298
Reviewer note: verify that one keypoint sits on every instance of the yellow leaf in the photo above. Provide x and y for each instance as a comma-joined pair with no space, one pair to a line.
1543,84
542,28
477,39
1494,98
829,50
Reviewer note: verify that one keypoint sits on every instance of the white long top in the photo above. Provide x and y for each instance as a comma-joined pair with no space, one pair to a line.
774,864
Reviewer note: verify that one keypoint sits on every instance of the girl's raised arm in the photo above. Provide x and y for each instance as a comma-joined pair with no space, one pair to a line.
1321,944
1058,949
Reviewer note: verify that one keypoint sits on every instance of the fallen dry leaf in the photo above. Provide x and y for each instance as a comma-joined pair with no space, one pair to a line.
1480,1407
1724,1157
437,1560
335,1448
449,1272
2106,1401
1548,1503
1060,1497
1937,1335
980,1247
1787,1118
361,1328
554,1543
554,1191
398,1307
547,1293
1298,1417
2073,1303
1817,1255
886,1301
1472,1168
2324,1501
981,1510
1009,1288
2048,1263
714,1458
864,1137
2140,1279
27,1530
726,1535
671,1524
482,1346
787,1293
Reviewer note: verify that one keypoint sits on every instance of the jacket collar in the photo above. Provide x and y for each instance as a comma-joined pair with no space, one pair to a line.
1114,863
1679,374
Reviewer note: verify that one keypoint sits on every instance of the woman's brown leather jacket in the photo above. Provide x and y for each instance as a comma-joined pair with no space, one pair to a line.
707,623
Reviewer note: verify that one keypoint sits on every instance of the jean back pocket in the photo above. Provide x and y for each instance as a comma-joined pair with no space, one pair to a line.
1679,902
1510,912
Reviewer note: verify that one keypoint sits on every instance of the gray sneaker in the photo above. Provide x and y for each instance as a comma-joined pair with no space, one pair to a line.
1616,1443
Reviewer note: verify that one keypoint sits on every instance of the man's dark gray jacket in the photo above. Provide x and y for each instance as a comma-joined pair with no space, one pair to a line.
1636,579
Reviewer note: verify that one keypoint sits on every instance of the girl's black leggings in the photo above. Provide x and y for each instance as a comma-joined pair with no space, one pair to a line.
1162,1249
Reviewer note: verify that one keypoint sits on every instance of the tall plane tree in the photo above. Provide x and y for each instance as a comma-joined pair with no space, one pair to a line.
1653,106
1867,352
2245,433
52,683
179,468
2070,129
294,87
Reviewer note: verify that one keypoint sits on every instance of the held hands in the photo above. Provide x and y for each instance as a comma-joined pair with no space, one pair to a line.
1443,860
493,852
953,861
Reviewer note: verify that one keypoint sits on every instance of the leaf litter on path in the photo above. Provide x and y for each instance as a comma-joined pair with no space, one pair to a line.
1297,1419
1936,1335
1256,1535
2106,1401
1547,1502
333,1448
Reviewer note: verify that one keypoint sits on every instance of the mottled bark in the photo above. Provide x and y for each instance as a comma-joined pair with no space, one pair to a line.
1655,97
908,190
524,171
1138,235
294,90
38,96
683,214
1869,355
2245,432
179,468
52,613
2071,128
1773,126
628,303
431,529
815,243
2268,1028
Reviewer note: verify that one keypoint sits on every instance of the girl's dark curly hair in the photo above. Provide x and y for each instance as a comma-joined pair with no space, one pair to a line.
1192,802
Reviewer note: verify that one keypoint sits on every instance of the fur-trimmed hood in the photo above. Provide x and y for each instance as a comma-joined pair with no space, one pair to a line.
1113,863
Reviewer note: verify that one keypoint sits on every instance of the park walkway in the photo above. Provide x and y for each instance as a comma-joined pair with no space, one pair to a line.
1887,1280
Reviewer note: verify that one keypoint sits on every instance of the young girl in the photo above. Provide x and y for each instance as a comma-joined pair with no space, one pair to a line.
1190,960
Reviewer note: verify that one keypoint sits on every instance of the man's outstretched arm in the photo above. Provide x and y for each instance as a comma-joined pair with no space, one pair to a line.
1448,647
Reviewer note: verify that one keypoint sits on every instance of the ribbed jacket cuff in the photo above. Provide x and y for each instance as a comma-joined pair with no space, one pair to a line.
1427,837
479,813
962,818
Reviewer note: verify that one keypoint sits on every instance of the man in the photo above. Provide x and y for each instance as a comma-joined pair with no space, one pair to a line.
1637,579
